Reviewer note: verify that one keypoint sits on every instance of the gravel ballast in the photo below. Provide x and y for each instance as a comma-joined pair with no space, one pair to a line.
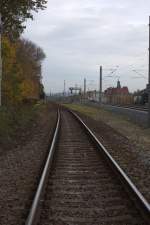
21,166
125,153
131,153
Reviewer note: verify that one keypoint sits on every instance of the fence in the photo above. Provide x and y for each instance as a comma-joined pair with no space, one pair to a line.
119,99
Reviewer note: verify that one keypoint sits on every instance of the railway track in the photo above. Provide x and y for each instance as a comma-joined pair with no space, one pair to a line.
134,107
83,184
138,108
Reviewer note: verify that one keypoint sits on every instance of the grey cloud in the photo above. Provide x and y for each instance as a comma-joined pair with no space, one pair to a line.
77,36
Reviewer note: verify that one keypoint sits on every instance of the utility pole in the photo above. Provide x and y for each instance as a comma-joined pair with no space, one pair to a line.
0,59
84,89
64,87
100,86
148,86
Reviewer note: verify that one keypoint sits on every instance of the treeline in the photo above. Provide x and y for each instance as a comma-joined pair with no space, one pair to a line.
21,71
22,59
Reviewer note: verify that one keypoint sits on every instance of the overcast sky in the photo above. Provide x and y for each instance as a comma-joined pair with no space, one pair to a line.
78,36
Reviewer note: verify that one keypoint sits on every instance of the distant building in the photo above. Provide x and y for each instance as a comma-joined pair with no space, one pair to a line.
118,95
117,91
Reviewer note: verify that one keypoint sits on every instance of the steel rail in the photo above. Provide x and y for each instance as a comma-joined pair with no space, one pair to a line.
140,202
136,108
35,208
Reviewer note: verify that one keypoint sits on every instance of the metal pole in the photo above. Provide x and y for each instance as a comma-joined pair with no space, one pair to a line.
64,87
0,59
100,86
148,86
84,89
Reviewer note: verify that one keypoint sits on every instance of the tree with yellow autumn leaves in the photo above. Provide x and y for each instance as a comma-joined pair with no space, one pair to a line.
21,71
22,59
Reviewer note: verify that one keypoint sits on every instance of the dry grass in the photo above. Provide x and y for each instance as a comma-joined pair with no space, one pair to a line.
13,122
138,135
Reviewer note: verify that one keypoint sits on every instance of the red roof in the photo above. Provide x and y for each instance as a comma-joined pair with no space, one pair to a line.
112,91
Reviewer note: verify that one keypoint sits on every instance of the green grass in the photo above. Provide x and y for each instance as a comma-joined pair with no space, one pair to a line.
139,135
90,111
97,113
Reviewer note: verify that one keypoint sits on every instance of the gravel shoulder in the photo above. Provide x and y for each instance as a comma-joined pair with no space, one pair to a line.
128,143
21,166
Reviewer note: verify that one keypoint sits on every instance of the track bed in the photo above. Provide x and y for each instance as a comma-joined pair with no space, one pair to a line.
81,188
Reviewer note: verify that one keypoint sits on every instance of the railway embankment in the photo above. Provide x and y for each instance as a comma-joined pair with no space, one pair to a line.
133,114
21,162
127,142
15,122
136,115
